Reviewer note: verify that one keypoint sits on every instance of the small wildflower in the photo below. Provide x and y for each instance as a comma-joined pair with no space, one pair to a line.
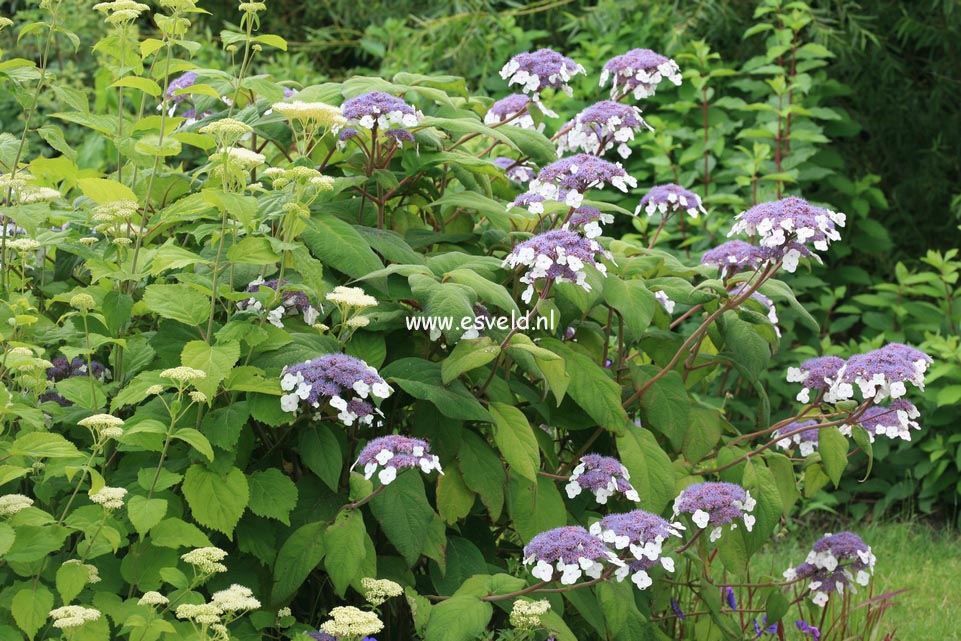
815,374
342,381
153,390
312,113
243,157
82,302
198,397
203,613
733,256
540,70
588,221
23,245
806,441
515,170
893,421
558,256
513,109
881,373
393,453
236,598
836,562
357,322
670,198
643,534
665,301
601,127
381,110
575,175
183,374
351,297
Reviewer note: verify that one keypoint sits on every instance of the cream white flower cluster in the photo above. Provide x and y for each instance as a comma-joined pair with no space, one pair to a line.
348,622
10,504
73,616
207,560
111,498
376,591
103,425
526,615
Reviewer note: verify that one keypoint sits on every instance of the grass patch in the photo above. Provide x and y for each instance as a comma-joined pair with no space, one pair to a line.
911,556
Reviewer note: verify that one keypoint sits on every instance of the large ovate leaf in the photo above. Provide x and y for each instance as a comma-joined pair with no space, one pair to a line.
515,440
460,618
216,500
298,556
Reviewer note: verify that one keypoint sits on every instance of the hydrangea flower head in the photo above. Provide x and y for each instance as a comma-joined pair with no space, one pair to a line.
379,109
181,82
639,72
559,256
806,441
516,170
292,302
570,550
588,220
882,373
643,534
342,381
603,476
894,421
670,198
396,452
816,374
575,175
601,127
513,108
787,226
539,70
534,203
715,505
734,256
836,561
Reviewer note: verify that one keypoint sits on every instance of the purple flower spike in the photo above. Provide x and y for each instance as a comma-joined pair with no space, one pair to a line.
394,453
379,109
570,550
603,476
816,374
734,256
716,505
760,630
577,174
787,226
881,373
808,630
837,561
514,108
729,597
600,127
806,441
639,72
540,70
643,534
558,256
676,608
342,381
668,199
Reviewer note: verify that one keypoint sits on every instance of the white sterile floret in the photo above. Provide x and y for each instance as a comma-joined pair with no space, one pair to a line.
665,301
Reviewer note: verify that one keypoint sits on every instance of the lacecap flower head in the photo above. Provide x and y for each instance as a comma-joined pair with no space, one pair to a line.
292,302
575,175
515,170
603,476
788,226
815,374
670,198
639,72
882,373
894,421
715,505
381,110
805,441
570,550
734,256
643,534
601,127
539,70
558,256
342,381
837,561
513,108
396,452
588,220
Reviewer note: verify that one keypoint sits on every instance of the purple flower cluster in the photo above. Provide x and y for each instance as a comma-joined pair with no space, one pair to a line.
576,174
806,441
534,203
182,82
62,369
292,302
381,110
716,505
786,226
668,199
643,534
734,256
603,476
393,453
588,220
342,381
639,72
598,128
515,170
837,561
570,550
893,421
399,136
817,374
540,70
514,108
882,373
558,256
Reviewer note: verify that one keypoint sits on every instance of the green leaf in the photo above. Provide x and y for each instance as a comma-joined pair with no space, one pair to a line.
516,441
340,246
535,507
272,495
146,85
177,302
31,608
423,380
591,387
652,474
320,451
834,452
776,607
460,618
71,580
632,300
215,360
7,537
454,498
404,514
344,542
43,445
486,290
863,440
468,355
733,550
177,533
272,41
252,250
298,556
196,440
666,407
483,471
145,513
216,500
34,542
103,190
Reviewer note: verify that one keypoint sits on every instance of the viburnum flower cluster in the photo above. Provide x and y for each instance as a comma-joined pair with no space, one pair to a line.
566,180
668,199
787,227
393,453
643,535
292,302
601,127
715,505
570,550
343,382
639,72
603,476
539,70
559,256
837,561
